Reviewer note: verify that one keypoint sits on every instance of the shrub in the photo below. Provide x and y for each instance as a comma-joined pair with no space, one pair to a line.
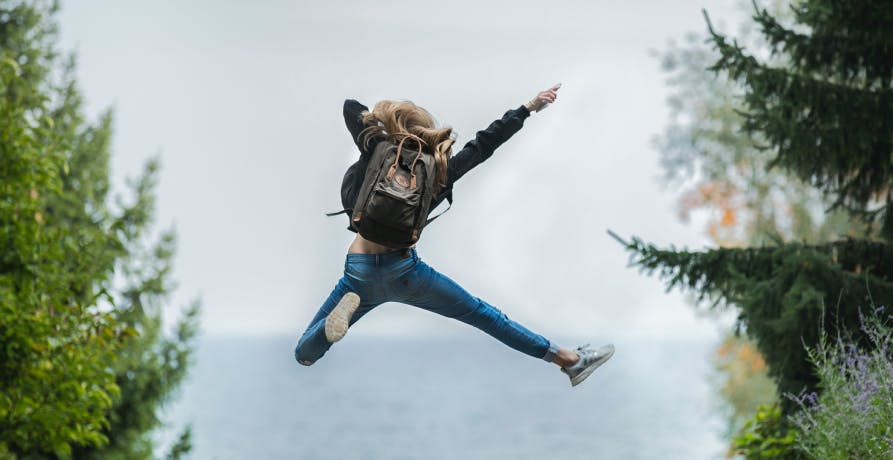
852,417
767,435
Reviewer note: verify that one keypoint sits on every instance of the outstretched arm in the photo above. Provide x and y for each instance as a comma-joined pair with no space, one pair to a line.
486,141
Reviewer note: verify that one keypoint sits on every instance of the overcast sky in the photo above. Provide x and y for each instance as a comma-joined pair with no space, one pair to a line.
242,101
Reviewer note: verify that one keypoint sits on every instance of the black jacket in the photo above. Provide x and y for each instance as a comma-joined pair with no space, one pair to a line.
471,155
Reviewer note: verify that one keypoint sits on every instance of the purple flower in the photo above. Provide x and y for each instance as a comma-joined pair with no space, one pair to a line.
805,400
812,398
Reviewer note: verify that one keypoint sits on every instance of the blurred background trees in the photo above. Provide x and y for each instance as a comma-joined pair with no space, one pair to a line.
84,363
768,146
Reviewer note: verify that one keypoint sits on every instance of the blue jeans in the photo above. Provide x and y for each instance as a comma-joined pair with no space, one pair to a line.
402,277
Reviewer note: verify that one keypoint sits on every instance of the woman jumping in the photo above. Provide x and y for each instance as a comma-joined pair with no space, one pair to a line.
374,273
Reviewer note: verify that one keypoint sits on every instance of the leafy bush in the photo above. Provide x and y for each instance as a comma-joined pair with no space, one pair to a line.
84,362
853,416
767,435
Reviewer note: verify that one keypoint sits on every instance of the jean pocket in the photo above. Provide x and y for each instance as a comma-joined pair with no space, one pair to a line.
414,280
359,272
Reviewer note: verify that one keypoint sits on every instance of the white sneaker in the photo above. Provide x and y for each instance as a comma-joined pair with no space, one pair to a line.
589,361
339,318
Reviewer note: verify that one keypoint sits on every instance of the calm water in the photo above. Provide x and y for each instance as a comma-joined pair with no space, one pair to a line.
471,398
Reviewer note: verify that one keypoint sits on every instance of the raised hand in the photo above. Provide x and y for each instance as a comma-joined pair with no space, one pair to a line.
543,99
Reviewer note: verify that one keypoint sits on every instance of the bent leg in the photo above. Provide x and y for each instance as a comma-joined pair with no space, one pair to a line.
313,343
441,295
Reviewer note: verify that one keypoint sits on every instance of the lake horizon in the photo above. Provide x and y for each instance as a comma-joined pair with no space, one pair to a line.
446,397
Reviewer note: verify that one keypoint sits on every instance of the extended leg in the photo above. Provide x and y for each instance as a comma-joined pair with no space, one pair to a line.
444,296
314,343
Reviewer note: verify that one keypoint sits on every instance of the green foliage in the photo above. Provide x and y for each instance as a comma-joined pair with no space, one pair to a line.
725,169
149,365
853,417
767,436
828,112
821,109
716,164
781,292
84,364
55,343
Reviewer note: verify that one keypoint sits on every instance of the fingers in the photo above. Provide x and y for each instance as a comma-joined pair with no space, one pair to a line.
544,98
548,96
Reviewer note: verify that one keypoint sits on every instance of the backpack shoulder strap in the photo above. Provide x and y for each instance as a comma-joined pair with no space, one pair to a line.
449,198
373,167
373,171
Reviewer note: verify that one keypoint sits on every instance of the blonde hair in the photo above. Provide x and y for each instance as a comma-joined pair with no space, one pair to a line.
397,120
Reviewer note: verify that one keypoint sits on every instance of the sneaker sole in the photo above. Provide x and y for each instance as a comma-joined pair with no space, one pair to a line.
339,319
579,378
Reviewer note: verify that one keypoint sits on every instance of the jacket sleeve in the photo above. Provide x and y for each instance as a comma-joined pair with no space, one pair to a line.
353,112
485,143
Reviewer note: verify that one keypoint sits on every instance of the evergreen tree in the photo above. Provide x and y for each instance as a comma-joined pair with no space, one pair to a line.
707,155
821,109
717,166
83,362
149,365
